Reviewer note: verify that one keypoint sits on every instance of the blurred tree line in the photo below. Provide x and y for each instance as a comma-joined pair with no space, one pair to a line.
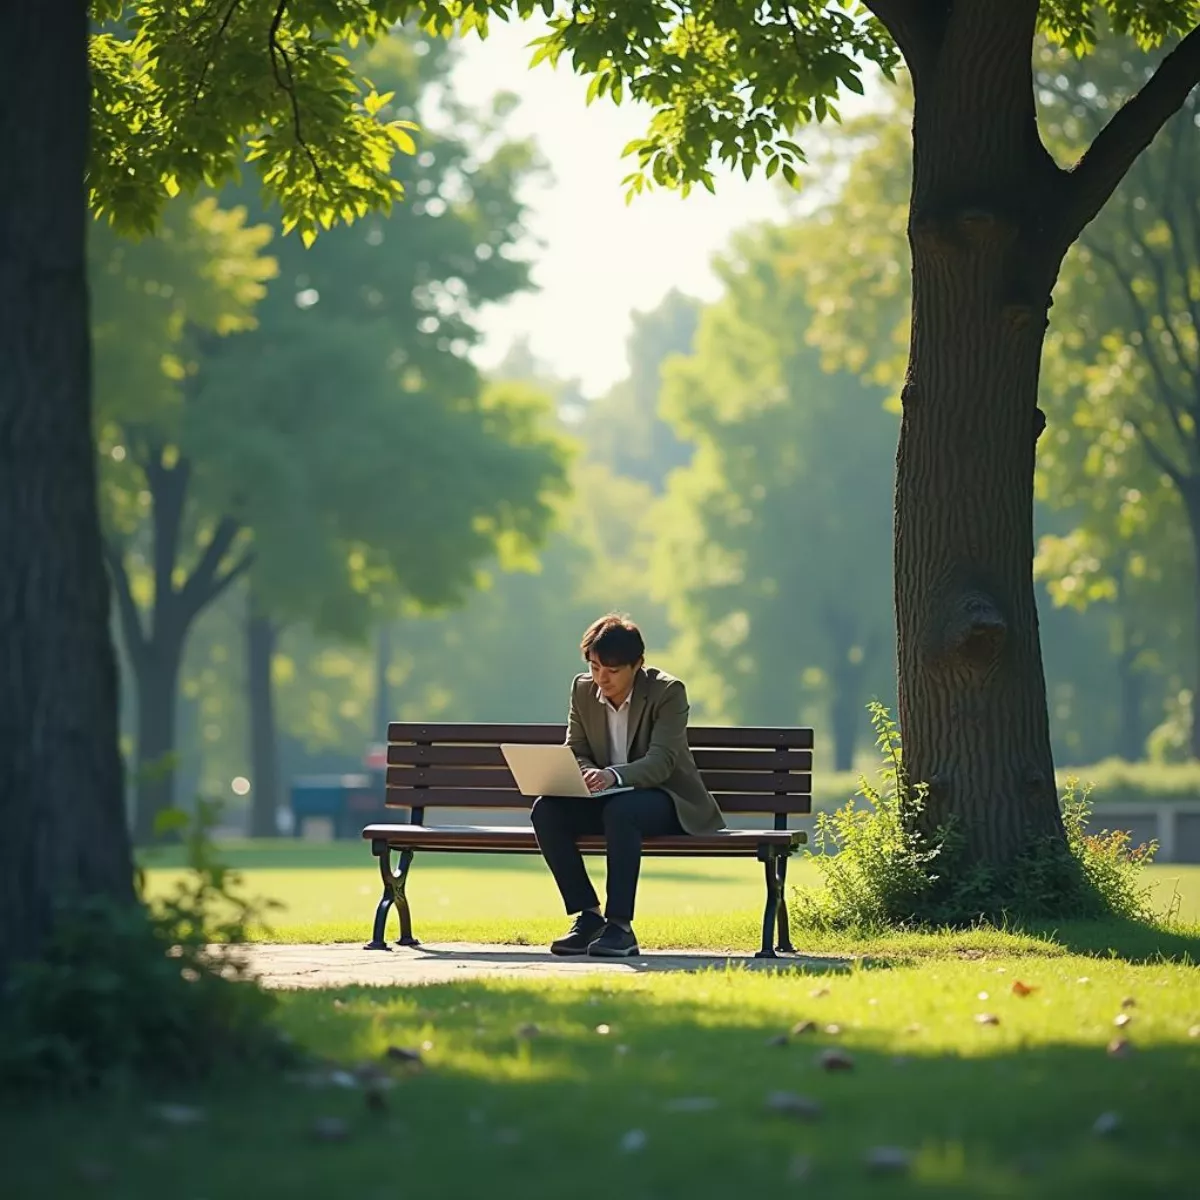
320,516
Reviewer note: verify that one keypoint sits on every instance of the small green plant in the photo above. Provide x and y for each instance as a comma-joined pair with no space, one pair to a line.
876,866
128,993
881,868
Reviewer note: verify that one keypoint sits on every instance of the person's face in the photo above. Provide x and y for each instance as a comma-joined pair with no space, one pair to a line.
614,683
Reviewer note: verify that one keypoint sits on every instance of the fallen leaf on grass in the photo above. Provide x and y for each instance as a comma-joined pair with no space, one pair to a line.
603,1030
779,1039
633,1141
1106,1123
1120,1047
1121,1020
1022,989
690,1104
1129,1002
802,1027
986,1019
888,1158
330,1129
788,1104
835,1060
820,991
982,996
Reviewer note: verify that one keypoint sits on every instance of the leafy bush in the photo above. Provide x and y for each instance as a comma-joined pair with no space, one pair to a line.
881,869
128,992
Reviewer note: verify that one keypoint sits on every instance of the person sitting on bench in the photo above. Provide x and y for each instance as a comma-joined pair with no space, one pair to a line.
627,727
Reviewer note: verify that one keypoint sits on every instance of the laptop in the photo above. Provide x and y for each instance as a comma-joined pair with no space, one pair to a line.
549,771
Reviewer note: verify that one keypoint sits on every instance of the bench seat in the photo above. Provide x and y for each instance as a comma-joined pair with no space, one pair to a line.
506,838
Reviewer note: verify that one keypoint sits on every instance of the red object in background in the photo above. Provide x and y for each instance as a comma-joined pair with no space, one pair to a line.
375,758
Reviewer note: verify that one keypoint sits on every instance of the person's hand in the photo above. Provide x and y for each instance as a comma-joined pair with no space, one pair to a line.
599,781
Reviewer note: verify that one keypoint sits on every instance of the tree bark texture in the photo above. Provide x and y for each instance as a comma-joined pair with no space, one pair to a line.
971,685
261,639
61,801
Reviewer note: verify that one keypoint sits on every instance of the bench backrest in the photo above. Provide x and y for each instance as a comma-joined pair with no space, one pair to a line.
756,770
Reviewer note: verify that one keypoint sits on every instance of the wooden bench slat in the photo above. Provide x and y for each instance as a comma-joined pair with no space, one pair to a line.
484,837
742,802
787,737
402,754
778,782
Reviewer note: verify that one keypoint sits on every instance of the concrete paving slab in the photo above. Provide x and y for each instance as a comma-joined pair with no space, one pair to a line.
344,964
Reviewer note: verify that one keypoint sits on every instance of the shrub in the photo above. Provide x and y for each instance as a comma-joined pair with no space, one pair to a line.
881,869
125,993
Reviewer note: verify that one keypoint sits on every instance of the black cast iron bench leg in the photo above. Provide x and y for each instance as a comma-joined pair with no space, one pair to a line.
785,939
767,856
394,892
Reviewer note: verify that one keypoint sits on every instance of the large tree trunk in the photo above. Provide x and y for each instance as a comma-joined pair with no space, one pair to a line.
971,686
261,638
61,804
158,688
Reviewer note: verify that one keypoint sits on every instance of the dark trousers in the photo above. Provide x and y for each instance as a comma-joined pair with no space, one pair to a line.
624,819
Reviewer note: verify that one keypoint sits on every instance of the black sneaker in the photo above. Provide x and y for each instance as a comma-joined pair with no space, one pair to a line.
614,942
587,927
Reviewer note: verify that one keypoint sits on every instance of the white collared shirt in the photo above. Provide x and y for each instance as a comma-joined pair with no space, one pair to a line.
618,732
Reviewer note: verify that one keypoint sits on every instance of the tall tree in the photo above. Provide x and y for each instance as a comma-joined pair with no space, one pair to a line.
768,542
180,95
158,301
991,216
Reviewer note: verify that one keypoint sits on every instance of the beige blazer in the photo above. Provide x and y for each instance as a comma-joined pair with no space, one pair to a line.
659,756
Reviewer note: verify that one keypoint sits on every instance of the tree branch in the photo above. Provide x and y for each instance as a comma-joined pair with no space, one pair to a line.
211,54
1131,130
279,54
238,569
916,27
131,620
1172,401
202,584
1158,456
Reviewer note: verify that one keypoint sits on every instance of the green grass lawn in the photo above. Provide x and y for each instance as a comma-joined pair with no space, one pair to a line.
659,1086
328,894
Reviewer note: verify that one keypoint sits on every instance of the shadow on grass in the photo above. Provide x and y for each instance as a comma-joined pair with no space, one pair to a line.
1129,941
596,1092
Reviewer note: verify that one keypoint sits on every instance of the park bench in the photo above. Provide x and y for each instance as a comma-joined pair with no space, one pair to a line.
750,771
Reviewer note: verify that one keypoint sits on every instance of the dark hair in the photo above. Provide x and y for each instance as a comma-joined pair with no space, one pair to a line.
615,640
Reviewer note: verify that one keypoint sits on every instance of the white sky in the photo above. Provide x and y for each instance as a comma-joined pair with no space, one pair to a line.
600,260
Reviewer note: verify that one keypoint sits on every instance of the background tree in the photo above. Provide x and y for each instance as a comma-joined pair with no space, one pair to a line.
344,445
623,427
765,541
1127,350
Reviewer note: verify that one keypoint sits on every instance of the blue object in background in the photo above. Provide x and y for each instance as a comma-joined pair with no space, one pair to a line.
348,802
